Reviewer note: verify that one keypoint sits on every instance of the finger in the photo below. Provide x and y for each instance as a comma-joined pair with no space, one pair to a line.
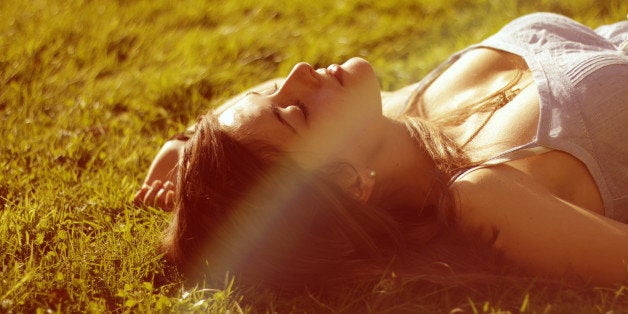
169,201
160,200
149,198
169,185
156,184
138,199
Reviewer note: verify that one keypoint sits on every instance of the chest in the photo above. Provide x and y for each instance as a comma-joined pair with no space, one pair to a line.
484,134
485,101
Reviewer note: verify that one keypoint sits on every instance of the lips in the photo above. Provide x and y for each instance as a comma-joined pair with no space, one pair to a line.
335,71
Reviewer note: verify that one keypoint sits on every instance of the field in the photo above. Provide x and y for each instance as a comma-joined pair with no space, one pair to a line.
89,90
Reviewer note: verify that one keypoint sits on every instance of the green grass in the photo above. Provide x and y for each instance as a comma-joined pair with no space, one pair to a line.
90,89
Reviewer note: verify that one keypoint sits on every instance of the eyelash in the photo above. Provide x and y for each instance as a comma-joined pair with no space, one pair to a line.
303,108
300,105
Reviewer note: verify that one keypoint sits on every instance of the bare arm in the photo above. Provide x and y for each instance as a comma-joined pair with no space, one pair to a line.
541,231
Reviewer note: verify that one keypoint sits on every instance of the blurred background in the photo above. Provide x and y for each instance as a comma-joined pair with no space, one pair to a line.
89,90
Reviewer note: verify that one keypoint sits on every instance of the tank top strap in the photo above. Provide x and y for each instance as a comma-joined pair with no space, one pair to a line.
509,155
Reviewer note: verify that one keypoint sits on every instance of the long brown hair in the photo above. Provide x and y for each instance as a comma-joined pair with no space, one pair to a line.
269,222
247,210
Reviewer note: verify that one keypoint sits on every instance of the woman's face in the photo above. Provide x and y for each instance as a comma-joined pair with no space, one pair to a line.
316,116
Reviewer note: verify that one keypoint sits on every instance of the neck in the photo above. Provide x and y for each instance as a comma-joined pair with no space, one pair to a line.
403,163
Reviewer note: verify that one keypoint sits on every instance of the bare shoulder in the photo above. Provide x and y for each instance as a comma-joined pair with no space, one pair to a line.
539,230
482,196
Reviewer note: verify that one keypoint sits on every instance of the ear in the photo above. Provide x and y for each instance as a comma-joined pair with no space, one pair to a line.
363,185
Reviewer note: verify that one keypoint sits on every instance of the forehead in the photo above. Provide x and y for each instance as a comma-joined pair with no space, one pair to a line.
252,120
241,112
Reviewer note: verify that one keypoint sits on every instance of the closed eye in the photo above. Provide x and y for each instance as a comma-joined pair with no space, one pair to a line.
276,111
304,109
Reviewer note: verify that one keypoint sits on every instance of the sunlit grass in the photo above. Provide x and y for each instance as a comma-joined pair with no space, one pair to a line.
90,89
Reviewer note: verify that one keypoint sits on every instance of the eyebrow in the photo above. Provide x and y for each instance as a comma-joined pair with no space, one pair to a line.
275,110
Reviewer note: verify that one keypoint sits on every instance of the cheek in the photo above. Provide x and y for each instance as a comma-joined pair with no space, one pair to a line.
335,111
328,112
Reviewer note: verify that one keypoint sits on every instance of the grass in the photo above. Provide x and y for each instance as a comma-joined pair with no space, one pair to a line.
90,89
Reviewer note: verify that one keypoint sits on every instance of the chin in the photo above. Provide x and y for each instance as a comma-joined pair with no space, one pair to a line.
358,66
362,73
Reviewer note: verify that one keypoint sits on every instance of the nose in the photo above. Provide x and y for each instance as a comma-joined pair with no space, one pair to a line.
301,79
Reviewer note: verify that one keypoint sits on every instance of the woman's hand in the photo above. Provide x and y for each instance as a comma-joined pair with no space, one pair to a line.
157,195
159,186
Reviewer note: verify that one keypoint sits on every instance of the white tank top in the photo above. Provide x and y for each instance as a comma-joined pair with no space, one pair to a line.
582,81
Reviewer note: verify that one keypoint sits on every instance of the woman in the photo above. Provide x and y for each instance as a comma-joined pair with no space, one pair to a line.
516,143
